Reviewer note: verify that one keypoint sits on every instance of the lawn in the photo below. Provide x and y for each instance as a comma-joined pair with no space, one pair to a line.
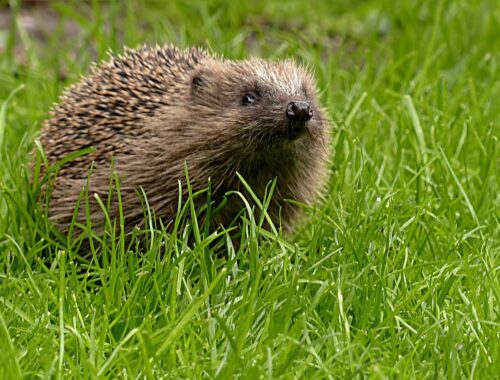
394,273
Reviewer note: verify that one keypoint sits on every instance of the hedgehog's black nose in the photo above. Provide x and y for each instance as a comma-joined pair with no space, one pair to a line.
299,111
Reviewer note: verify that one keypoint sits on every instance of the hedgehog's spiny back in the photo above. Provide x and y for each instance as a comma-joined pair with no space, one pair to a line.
107,107
152,75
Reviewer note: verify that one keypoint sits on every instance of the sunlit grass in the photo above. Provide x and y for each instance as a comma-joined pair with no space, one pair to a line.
394,273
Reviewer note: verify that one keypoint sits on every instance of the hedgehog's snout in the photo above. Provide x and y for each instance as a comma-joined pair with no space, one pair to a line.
298,113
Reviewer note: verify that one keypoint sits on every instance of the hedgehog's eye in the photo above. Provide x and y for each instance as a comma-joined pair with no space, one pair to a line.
248,98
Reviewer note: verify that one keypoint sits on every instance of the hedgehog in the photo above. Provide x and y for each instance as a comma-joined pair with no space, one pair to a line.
151,112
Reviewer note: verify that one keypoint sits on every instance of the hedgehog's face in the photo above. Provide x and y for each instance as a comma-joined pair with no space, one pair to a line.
272,104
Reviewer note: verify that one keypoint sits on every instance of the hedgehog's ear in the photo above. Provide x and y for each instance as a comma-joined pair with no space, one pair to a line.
199,80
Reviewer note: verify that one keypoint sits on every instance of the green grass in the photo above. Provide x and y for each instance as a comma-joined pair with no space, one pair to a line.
395,273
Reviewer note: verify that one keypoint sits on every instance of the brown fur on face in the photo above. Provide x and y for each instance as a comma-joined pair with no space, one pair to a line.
153,109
